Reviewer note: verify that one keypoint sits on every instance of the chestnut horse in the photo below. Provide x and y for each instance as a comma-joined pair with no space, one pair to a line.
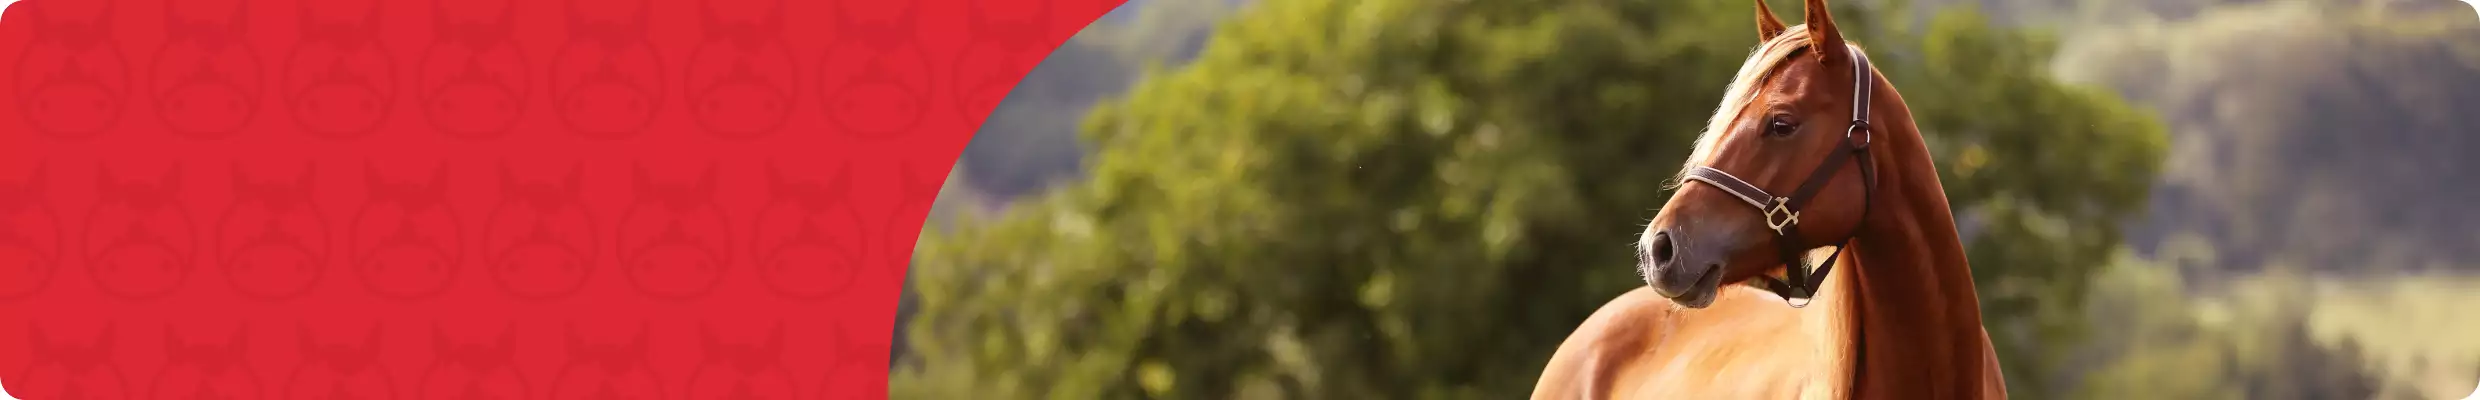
1810,148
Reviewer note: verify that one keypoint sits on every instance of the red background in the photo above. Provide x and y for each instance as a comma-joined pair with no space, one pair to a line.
513,199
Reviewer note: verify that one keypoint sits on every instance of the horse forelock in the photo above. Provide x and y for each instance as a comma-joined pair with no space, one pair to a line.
1762,63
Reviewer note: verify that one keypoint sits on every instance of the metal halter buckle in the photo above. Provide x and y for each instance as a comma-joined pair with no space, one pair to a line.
1781,215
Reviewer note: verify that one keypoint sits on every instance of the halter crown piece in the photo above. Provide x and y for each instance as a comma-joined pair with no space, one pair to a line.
1782,213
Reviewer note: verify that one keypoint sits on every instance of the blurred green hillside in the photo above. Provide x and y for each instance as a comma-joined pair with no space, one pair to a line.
1029,143
1419,198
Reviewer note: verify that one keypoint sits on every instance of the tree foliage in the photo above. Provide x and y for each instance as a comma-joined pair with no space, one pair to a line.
1421,198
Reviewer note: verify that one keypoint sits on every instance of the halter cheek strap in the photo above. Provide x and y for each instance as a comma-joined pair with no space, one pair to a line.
1782,213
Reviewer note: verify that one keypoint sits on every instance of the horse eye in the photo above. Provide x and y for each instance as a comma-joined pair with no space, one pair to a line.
1780,127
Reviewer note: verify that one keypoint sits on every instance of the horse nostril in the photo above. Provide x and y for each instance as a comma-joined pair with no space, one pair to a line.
1661,249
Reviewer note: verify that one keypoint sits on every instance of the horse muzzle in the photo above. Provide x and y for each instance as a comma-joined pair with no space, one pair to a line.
1676,272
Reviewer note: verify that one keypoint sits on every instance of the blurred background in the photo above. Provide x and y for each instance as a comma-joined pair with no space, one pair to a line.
1384,199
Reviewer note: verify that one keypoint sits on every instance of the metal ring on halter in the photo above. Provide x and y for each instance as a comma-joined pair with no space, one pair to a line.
1866,135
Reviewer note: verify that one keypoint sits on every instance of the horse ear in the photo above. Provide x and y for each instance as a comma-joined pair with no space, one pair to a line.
240,340
775,20
1768,26
439,338
706,337
309,175
643,180
41,18
507,178
439,20
644,329
309,348
775,183
645,14
923,182
507,17
370,180
172,23
439,178
1824,39
706,15
838,343
775,340
508,338
301,16
841,182
103,341
575,22
370,19
240,180
370,341
774,176
172,179
103,20
104,181
39,179
576,179
240,21
706,184
41,342
570,332
172,343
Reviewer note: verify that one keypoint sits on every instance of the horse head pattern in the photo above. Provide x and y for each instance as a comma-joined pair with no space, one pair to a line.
607,371
474,82
407,241
206,369
609,77
675,241
274,240
139,239
799,253
541,237
741,370
870,83
73,370
740,78
73,78
471,370
845,357
340,79
339,371
30,238
207,74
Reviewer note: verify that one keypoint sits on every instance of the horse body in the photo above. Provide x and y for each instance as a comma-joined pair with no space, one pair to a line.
1900,320
1746,345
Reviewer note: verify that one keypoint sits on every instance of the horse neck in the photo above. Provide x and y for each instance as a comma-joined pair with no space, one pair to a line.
1914,318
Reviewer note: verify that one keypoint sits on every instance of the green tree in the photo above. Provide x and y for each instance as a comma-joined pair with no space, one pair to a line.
1421,198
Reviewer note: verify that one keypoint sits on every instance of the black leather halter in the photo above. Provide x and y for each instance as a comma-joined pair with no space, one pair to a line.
1782,214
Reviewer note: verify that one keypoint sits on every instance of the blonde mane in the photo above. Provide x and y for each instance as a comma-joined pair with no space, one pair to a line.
1761,63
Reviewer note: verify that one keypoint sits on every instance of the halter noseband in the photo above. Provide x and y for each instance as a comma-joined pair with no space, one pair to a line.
1782,214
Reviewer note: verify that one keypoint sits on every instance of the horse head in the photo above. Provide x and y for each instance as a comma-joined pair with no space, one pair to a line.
1782,168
